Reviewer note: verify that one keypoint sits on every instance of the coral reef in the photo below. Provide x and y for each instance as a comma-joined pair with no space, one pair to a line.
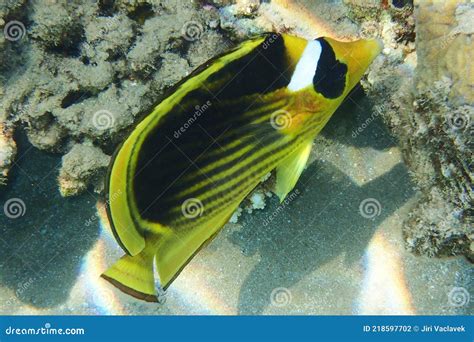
81,166
7,153
442,131
74,73
427,100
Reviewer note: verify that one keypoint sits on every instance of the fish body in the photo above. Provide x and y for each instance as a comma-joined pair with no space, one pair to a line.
187,165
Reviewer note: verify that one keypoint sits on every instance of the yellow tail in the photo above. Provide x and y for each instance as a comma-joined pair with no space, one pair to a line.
134,275
163,258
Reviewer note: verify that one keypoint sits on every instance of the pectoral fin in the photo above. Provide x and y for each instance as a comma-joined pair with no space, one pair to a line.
289,171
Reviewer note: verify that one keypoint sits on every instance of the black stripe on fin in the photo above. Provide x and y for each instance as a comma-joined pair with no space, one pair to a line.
130,291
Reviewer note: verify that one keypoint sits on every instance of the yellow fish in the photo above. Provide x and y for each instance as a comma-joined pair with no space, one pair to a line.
187,165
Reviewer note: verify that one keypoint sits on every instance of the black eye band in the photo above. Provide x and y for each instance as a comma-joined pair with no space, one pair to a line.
330,77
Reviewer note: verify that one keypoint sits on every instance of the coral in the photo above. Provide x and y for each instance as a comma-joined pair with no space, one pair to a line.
443,116
246,18
79,73
7,153
444,45
444,110
82,165
431,117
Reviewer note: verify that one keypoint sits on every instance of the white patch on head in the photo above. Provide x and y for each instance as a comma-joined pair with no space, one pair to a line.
306,67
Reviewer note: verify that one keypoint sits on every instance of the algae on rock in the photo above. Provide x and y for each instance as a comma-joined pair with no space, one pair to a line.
444,110
84,72
428,104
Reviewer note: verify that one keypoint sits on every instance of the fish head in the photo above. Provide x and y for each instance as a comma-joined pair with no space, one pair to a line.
352,57
329,67
325,71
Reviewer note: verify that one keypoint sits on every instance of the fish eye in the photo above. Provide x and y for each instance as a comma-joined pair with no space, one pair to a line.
330,77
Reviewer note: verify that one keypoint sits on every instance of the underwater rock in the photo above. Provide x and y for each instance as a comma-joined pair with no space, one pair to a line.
444,47
444,108
247,7
92,69
7,153
74,72
83,165
245,18
431,118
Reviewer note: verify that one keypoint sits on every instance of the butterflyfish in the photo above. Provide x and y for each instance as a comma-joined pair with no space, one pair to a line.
186,166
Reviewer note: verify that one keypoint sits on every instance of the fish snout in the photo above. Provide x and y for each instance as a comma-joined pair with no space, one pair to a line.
357,55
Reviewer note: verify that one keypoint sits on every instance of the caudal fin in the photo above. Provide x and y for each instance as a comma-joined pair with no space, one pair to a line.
134,275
